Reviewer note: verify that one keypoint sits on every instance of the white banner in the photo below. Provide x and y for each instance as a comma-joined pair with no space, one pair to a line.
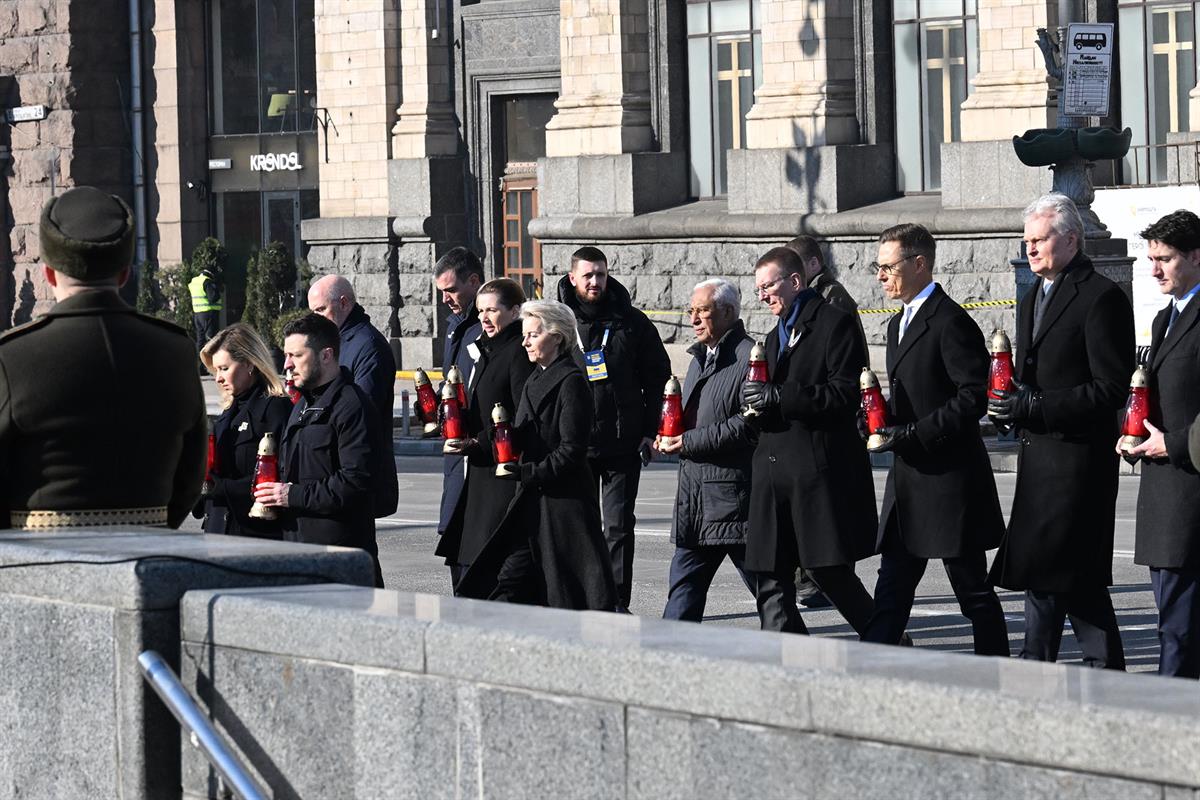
1127,212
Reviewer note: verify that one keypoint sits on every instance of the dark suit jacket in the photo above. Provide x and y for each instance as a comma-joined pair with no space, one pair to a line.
1060,533
812,495
941,488
498,377
1168,515
239,429
100,407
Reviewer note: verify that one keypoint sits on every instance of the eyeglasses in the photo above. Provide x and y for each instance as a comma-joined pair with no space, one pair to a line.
769,285
890,269
699,311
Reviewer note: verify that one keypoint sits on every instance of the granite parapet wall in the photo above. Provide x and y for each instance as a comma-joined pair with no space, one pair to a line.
339,692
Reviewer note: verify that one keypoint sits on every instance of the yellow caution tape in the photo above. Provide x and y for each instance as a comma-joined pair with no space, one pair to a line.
408,374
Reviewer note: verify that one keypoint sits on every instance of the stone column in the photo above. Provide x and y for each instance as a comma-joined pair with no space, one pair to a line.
807,94
604,107
358,72
598,145
426,125
1012,92
804,123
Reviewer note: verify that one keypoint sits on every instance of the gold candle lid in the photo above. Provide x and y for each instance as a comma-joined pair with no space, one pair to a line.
449,392
672,386
758,352
1140,379
1000,341
868,379
266,445
454,374
420,376
499,414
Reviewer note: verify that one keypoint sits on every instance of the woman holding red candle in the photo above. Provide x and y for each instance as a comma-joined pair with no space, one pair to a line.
549,549
501,368
255,402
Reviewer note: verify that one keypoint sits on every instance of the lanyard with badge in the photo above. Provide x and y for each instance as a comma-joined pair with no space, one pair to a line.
593,360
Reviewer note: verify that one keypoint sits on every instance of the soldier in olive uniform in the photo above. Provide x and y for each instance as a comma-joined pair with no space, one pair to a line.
102,419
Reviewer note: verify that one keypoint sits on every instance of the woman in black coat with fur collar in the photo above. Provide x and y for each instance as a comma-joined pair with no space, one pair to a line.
254,403
549,548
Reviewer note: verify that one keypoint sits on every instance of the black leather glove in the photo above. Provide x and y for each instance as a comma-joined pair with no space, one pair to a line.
860,419
1021,404
897,437
762,397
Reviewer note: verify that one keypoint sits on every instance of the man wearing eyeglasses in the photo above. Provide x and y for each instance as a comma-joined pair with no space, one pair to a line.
1075,354
940,500
812,498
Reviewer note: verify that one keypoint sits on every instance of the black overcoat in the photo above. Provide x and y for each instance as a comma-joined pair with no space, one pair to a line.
366,353
555,508
499,377
812,494
1060,533
330,453
100,407
1168,509
941,487
238,430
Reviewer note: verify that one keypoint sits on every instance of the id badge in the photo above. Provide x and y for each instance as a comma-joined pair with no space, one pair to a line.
593,362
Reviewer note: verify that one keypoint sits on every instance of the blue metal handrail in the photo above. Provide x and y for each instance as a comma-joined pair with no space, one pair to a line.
202,733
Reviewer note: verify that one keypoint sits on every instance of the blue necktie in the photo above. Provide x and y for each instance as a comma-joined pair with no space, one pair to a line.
1174,316
908,313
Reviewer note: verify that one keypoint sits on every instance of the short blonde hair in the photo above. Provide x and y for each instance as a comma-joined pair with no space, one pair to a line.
556,318
245,346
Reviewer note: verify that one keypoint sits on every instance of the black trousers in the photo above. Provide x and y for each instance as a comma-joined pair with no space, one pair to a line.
900,573
520,578
1092,618
207,324
1177,595
776,598
617,480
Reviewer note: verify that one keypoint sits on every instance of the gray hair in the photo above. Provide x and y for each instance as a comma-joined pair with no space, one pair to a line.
1062,208
556,318
724,294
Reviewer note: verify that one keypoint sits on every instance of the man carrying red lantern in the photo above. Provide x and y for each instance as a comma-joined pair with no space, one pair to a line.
331,458
940,500
1075,348
1168,510
812,497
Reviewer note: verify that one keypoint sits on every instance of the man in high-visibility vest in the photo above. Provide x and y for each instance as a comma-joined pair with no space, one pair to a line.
206,305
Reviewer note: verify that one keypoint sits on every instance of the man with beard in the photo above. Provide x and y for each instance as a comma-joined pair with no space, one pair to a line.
627,367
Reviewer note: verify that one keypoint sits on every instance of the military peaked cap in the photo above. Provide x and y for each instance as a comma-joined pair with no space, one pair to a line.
87,234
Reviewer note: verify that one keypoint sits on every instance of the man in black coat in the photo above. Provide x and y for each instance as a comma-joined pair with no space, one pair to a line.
1168,511
330,455
1074,358
812,498
627,368
457,275
102,419
712,501
940,500
365,352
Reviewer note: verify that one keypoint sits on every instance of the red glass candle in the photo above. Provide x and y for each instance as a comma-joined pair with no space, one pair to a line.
292,392
757,373
427,401
454,427
266,470
1137,408
1000,375
873,406
671,423
210,466
455,378
504,448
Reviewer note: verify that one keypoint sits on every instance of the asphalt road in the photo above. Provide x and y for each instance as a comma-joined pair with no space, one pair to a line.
407,540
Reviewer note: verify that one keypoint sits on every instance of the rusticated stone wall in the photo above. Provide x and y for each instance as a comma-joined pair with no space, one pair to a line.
72,57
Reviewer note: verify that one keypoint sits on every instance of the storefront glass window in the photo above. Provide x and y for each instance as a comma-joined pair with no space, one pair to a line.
724,69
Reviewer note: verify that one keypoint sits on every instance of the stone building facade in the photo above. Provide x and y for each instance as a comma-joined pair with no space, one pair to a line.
683,137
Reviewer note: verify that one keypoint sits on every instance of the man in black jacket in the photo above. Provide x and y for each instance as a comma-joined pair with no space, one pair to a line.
627,368
330,457
712,501
940,500
1168,511
812,498
365,352
457,276
1075,352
